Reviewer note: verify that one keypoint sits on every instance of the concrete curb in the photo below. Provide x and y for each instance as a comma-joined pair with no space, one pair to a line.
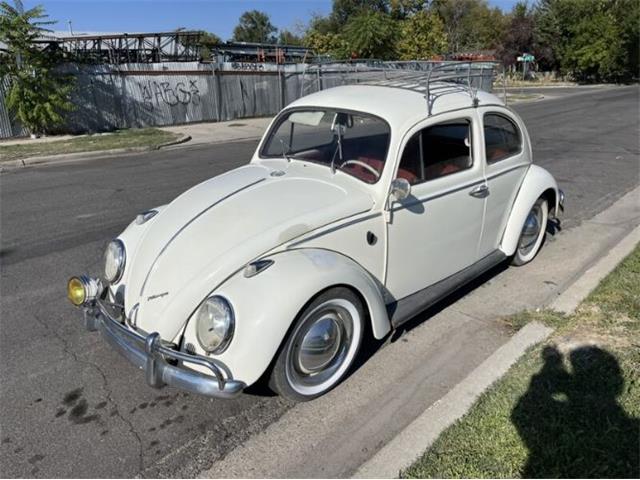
569,300
407,447
77,156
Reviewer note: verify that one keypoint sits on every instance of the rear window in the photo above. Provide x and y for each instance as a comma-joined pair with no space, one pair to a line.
502,138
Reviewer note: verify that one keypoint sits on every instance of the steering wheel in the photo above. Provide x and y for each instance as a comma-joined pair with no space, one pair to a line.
363,165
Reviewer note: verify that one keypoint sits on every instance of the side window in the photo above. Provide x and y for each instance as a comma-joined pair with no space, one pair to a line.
502,138
437,151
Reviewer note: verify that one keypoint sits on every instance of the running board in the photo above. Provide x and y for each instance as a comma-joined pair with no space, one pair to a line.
408,307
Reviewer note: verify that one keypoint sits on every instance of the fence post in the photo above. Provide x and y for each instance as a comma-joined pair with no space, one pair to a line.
282,85
216,91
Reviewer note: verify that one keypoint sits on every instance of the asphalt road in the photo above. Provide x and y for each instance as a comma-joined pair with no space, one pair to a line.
73,407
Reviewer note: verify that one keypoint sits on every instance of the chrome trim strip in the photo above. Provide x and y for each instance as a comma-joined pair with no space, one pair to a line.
438,195
507,170
175,235
335,228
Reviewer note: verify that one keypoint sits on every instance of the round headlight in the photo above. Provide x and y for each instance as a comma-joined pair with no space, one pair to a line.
214,324
114,258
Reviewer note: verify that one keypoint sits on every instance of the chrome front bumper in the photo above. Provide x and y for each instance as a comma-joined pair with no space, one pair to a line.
162,365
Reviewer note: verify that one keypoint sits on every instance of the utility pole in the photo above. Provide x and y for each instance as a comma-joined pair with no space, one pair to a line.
70,28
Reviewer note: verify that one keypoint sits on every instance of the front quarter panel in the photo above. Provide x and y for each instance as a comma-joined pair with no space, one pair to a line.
266,305
536,182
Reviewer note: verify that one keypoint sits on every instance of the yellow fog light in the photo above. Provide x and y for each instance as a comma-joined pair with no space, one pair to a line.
82,289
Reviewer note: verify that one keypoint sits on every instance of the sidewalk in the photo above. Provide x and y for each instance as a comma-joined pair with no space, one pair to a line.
220,132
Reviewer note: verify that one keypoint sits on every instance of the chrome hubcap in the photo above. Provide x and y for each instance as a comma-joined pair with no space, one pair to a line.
531,230
320,345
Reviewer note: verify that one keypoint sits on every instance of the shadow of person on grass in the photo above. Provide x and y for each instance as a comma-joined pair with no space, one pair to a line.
572,423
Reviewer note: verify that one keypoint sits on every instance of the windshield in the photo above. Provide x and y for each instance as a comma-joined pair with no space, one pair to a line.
355,143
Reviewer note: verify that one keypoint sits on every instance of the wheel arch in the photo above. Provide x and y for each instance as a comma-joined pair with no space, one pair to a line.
537,183
267,304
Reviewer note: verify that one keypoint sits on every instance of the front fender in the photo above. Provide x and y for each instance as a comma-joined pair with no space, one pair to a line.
266,305
537,182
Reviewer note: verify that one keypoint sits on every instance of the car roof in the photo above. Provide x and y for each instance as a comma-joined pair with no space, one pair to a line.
394,104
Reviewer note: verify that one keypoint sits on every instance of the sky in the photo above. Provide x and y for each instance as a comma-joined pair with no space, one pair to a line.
217,16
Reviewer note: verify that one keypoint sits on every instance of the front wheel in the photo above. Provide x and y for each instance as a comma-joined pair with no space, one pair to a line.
533,233
322,346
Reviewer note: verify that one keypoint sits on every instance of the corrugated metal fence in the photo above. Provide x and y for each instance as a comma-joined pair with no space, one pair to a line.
109,97
8,126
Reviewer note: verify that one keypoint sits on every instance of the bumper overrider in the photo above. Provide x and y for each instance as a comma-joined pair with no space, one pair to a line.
162,364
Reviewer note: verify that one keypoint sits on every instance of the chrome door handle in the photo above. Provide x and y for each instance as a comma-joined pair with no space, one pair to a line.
481,191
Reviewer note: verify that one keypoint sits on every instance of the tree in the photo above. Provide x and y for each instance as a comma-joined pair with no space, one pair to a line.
289,38
590,39
331,44
422,36
402,9
38,95
470,24
596,50
208,41
344,10
371,34
520,35
255,27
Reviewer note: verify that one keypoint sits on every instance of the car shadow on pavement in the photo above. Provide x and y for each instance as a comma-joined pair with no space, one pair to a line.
571,421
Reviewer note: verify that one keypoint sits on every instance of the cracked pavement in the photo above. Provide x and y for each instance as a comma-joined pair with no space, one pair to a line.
74,408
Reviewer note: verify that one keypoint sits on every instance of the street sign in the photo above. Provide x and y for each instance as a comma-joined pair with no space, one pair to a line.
526,57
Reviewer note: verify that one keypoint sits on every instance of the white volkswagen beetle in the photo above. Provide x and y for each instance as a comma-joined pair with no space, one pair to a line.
360,208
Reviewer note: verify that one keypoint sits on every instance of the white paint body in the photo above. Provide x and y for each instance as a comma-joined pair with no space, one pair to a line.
313,223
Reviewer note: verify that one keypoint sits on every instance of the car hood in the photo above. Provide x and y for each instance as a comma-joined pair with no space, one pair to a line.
214,229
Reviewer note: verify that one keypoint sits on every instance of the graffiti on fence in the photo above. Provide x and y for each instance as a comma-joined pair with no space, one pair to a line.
155,93
254,67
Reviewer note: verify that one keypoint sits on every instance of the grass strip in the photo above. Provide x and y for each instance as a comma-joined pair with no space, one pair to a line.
134,137
569,407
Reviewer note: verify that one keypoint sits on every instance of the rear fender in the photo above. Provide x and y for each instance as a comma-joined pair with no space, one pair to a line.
537,182
266,305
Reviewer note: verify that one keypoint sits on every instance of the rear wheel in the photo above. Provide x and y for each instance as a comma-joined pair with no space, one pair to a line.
533,233
321,347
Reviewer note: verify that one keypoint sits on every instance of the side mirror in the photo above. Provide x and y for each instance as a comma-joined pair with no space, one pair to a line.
400,189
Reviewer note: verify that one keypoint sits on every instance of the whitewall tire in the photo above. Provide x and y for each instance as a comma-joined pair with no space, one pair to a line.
321,347
533,233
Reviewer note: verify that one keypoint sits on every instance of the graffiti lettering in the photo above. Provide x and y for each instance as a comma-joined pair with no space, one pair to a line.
156,93
247,66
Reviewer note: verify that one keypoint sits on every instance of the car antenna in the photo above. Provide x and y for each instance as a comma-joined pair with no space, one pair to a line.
336,128
285,149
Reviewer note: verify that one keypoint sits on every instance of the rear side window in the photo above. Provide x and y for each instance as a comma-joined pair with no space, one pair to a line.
502,138
437,151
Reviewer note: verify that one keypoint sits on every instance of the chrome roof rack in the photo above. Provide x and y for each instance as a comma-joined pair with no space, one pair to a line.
433,79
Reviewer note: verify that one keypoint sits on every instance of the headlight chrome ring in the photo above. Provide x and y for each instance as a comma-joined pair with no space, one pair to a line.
114,261
215,324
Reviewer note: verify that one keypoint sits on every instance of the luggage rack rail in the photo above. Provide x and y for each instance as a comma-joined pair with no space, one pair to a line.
433,79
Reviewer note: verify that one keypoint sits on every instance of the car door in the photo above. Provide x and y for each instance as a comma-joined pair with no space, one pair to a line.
506,162
435,231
